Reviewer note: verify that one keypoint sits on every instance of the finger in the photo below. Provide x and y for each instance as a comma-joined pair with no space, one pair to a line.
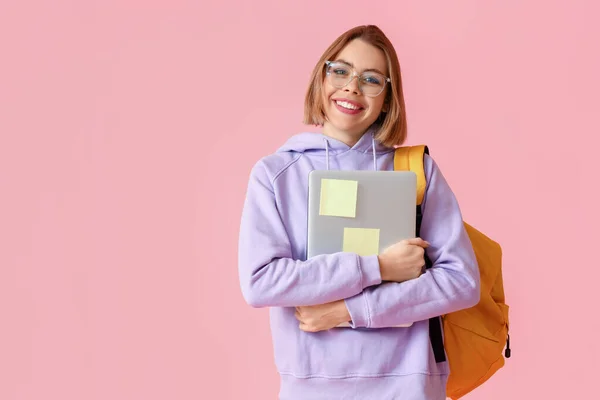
307,328
298,315
417,242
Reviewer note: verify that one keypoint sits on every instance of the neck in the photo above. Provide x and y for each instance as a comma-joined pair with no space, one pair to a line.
346,137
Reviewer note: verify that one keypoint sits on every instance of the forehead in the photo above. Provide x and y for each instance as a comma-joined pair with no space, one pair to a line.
363,56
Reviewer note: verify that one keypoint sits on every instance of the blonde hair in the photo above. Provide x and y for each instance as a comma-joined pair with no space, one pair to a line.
392,131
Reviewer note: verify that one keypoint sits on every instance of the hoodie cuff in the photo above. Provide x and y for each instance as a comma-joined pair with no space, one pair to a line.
358,310
369,268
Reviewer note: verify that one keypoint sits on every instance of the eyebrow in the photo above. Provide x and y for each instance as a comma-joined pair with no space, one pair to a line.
366,70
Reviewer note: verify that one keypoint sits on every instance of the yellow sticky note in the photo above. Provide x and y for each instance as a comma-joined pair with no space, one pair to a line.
362,241
338,198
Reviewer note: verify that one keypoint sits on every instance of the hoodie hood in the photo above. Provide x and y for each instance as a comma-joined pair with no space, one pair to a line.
317,142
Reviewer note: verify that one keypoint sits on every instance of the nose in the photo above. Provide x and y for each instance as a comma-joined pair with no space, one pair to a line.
352,86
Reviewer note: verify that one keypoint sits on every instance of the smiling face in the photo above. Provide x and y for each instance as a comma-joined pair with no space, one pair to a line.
349,113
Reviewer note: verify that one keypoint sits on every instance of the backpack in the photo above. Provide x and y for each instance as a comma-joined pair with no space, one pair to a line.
473,338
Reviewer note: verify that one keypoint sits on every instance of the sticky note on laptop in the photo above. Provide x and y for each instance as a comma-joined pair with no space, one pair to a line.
338,198
362,241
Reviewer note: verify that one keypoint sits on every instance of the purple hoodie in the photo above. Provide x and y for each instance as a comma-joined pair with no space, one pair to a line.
370,360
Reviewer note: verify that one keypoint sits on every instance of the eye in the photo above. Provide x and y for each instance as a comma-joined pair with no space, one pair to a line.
372,80
340,71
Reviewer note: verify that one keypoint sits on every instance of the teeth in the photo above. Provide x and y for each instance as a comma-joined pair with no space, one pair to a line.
347,105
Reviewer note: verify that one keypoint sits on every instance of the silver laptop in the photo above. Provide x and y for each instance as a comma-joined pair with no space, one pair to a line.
363,212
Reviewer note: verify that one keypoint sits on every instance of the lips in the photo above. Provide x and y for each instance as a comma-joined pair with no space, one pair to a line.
348,106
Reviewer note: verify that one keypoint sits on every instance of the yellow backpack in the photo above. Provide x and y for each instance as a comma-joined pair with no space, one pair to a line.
474,338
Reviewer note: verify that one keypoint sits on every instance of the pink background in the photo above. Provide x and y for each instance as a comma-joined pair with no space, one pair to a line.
127,131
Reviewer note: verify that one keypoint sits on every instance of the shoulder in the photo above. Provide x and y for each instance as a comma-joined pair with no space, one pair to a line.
432,170
270,167
437,188
429,166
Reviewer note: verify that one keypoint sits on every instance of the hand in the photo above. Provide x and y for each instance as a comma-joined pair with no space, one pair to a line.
403,261
322,317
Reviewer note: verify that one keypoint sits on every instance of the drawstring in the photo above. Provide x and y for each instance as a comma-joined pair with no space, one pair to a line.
373,146
326,152
374,153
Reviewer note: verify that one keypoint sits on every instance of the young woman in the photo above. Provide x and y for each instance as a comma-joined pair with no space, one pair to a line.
355,94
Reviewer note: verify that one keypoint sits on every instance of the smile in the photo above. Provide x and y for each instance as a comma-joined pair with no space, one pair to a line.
347,105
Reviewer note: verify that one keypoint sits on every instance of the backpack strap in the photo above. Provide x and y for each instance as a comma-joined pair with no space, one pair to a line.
411,158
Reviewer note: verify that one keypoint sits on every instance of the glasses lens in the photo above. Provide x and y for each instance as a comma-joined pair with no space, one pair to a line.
339,74
372,83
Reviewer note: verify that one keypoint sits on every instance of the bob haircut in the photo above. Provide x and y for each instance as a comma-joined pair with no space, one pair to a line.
392,131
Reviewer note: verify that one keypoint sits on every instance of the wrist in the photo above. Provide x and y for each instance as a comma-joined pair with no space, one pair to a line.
382,268
343,314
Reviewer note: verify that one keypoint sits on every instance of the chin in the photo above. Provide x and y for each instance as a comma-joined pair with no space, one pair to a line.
351,128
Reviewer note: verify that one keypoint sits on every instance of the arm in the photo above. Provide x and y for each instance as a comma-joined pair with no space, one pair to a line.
270,277
451,284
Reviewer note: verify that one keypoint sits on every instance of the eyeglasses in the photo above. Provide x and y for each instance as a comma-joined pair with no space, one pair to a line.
340,75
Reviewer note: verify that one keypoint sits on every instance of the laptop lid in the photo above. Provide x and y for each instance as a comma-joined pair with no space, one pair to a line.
359,211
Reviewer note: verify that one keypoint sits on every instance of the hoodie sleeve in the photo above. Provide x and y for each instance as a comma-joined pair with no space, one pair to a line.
270,277
451,284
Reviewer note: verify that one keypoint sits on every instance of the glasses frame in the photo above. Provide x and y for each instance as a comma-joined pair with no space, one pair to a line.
355,75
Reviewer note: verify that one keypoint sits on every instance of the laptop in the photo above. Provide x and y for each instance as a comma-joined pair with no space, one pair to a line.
363,212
